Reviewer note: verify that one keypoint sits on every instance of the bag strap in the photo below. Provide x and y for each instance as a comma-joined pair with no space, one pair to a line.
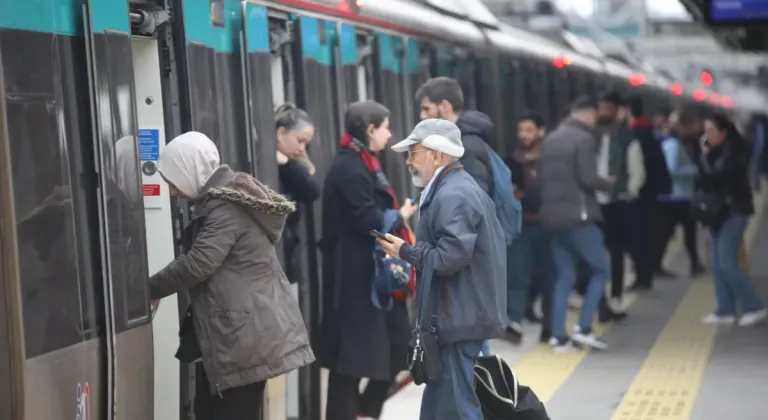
425,286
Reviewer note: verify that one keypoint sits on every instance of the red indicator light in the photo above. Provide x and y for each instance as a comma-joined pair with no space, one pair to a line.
726,101
699,94
637,79
707,78
676,89
561,62
714,98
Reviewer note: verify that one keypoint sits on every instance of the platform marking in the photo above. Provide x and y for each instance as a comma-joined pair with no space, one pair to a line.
668,382
545,371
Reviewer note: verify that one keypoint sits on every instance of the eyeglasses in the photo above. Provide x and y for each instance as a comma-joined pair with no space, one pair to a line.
413,152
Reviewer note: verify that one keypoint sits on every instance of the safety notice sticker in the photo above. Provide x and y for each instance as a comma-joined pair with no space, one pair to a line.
149,144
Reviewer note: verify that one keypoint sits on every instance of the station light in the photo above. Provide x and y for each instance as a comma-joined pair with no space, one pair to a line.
707,78
699,94
676,89
562,61
637,79
726,101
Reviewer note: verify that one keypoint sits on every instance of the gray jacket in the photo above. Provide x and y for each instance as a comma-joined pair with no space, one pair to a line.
247,321
458,226
568,177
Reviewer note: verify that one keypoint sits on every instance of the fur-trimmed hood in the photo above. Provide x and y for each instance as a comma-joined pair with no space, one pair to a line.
267,207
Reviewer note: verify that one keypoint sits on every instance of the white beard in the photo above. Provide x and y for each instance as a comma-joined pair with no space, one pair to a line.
417,180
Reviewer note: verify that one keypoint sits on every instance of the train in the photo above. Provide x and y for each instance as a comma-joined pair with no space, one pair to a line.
93,89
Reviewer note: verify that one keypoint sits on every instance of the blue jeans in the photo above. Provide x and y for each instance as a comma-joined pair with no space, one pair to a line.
530,252
583,242
453,397
732,284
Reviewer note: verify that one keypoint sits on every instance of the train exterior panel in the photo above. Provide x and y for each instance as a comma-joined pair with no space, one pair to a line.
86,105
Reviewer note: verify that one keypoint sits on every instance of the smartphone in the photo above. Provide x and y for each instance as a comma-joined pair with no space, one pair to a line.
378,235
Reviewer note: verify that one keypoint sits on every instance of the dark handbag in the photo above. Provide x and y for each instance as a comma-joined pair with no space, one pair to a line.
424,361
393,278
708,208
189,348
501,395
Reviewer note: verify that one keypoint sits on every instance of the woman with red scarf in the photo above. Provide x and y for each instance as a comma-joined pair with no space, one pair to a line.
358,339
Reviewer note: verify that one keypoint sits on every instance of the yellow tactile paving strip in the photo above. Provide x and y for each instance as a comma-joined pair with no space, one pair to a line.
667,383
545,371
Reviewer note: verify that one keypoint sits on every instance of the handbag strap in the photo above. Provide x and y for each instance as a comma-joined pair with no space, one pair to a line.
424,289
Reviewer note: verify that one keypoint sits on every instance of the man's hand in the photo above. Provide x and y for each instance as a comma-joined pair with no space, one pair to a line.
392,245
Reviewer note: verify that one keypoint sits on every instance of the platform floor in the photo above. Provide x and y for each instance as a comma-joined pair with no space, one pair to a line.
662,363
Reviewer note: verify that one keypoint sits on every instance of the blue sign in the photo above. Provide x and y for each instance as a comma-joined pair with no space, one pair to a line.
739,10
149,144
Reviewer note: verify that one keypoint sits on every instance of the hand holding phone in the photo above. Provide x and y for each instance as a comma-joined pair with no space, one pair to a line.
378,235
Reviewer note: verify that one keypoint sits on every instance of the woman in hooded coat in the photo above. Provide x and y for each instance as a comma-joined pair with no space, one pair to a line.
245,322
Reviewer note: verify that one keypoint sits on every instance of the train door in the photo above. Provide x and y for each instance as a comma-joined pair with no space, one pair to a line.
128,353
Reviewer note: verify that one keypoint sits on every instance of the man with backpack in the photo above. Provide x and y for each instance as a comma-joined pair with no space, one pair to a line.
443,98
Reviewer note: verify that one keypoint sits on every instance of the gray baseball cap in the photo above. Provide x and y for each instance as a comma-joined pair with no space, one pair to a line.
441,135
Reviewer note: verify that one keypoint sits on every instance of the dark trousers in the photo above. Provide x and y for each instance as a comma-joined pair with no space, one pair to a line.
676,213
242,403
345,402
627,229
643,223
617,242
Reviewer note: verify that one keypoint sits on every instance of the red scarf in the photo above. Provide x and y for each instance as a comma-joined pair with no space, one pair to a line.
373,165
640,122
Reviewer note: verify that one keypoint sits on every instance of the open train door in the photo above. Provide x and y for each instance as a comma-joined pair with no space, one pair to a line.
127,353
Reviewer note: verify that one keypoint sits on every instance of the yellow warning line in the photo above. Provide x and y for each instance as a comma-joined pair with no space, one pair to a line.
545,371
668,382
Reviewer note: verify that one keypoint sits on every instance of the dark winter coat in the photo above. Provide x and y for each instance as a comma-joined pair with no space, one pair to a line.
477,130
247,321
357,339
724,170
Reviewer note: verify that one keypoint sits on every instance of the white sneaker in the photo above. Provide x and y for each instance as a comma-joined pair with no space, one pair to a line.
563,346
752,318
616,305
588,339
715,319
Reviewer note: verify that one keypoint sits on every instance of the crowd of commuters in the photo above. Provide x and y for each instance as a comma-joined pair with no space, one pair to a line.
604,184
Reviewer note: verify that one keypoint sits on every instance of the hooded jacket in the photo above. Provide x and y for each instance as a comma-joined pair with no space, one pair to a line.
247,321
477,129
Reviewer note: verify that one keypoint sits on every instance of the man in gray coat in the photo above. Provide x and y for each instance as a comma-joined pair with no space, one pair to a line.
458,230
569,210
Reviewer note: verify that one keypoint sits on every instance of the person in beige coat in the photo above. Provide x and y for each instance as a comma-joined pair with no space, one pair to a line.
244,322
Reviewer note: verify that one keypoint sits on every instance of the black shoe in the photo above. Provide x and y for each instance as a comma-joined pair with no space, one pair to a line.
605,314
664,274
545,335
514,333
697,270
640,287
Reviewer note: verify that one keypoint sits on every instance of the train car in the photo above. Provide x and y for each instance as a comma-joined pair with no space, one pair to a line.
91,90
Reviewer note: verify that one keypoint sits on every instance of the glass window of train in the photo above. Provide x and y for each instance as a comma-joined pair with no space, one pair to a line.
125,209
45,231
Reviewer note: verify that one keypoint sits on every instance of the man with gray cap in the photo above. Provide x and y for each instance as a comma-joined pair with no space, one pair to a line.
460,234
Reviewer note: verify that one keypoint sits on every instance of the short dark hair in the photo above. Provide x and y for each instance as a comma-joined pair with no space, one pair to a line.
612,98
533,117
635,105
438,89
687,117
360,115
582,103
290,117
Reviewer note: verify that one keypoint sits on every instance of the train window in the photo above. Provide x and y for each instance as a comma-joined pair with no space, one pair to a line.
46,241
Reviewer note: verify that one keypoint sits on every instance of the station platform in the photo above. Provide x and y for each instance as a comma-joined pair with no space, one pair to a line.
662,362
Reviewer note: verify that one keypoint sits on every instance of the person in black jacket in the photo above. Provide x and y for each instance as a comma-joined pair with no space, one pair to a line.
724,179
645,210
359,340
442,97
294,130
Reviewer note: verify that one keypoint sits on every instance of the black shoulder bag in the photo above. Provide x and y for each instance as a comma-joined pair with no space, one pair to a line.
424,359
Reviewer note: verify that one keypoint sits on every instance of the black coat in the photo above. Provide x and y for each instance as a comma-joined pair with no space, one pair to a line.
724,171
357,339
298,185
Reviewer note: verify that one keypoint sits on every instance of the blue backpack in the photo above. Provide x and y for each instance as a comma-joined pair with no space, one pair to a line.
508,208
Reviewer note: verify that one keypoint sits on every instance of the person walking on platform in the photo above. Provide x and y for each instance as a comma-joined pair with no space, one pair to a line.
294,130
569,211
620,156
645,212
460,237
360,339
530,255
724,204
243,321
676,206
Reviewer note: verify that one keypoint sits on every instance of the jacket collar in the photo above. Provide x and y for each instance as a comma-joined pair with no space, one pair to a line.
221,177
438,182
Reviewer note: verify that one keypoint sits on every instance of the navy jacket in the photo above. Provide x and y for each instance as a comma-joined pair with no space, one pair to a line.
458,226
